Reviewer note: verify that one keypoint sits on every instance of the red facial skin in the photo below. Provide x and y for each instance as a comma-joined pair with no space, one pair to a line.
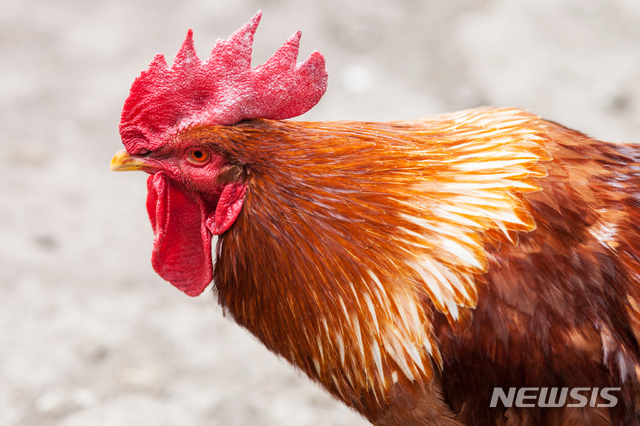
187,204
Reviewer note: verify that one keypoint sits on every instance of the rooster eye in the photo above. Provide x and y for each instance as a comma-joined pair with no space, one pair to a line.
198,156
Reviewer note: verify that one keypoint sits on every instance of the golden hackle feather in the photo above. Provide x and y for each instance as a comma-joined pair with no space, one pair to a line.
411,267
353,235
558,309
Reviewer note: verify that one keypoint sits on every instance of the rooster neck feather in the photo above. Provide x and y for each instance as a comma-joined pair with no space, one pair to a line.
312,265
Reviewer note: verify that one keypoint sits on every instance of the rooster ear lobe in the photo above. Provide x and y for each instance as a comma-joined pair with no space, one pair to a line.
228,208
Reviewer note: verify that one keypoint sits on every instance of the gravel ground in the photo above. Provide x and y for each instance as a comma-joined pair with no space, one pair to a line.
89,335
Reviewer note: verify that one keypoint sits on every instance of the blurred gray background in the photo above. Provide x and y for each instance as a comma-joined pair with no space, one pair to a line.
89,334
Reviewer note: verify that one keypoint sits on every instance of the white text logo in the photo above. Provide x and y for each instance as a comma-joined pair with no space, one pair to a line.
550,397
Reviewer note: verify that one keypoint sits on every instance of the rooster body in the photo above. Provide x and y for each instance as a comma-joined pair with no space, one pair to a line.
409,267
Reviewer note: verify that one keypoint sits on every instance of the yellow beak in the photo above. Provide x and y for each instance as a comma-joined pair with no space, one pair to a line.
123,162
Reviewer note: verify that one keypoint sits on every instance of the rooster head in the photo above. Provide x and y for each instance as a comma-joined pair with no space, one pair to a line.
195,190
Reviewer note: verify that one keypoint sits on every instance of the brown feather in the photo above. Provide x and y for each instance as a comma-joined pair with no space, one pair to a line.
410,267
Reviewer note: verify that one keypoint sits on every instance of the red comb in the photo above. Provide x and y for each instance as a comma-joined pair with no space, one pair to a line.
222,91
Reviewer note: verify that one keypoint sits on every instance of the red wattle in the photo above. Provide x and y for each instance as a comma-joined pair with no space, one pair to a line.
182,244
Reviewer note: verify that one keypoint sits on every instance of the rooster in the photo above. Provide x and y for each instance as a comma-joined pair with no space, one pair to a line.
410,268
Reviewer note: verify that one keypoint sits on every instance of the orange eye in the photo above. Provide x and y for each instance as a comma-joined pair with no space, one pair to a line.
198,156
